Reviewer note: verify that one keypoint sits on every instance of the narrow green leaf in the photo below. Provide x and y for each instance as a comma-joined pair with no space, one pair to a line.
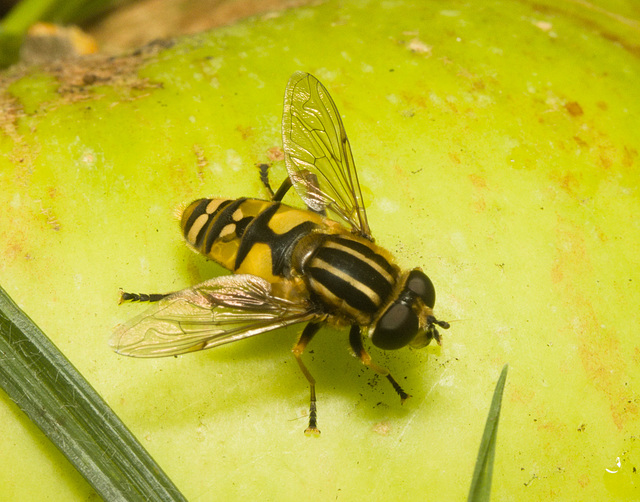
480,490
25,13
14,26
45,385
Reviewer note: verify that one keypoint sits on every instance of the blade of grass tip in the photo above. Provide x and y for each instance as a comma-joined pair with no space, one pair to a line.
27,12
480,490
14,26
79,11
46,386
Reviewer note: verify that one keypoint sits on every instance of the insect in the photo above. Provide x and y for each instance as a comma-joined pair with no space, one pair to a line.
291,265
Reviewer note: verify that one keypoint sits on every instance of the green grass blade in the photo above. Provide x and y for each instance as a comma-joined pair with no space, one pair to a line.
25,13
60,401
480,490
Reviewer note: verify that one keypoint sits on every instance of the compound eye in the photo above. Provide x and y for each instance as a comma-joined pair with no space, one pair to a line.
422,286
396,328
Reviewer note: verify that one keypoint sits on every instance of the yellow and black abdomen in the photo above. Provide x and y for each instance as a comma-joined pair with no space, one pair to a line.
249,236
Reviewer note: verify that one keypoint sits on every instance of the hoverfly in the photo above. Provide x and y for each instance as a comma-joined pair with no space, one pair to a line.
291,265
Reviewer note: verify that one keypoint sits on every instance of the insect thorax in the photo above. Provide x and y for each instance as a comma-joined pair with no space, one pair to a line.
351,275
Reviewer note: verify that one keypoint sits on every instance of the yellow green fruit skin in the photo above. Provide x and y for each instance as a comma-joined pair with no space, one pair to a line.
497,145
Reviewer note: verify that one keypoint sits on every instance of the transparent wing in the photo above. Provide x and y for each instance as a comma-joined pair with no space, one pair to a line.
215,312
316,143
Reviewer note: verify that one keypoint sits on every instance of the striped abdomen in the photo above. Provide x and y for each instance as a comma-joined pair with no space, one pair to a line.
352,275
250,236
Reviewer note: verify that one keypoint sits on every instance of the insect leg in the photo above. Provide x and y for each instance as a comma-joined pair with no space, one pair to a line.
282,191
311,180
264,177
141,297
355,340
306,336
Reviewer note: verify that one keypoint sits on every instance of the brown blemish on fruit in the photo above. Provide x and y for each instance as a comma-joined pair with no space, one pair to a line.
275,154
478,181
574,108
567,181
10,109
478,84
580,142
598,347
479,202
454,157
584,480
414,100
629,156
245,131
607,155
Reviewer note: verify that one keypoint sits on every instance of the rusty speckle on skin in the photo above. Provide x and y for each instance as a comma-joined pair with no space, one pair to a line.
479,205
478,85
629,156
580,142
478,181
275,154
606,159
10,109
245,131
50,218
574,108
202,161
568,182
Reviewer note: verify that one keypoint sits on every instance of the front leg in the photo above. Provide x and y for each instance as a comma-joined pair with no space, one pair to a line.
355,340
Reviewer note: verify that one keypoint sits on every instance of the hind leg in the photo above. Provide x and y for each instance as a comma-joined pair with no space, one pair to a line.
141,297
311,179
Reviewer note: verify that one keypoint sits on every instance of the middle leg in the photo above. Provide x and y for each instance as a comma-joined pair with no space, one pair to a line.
307,334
